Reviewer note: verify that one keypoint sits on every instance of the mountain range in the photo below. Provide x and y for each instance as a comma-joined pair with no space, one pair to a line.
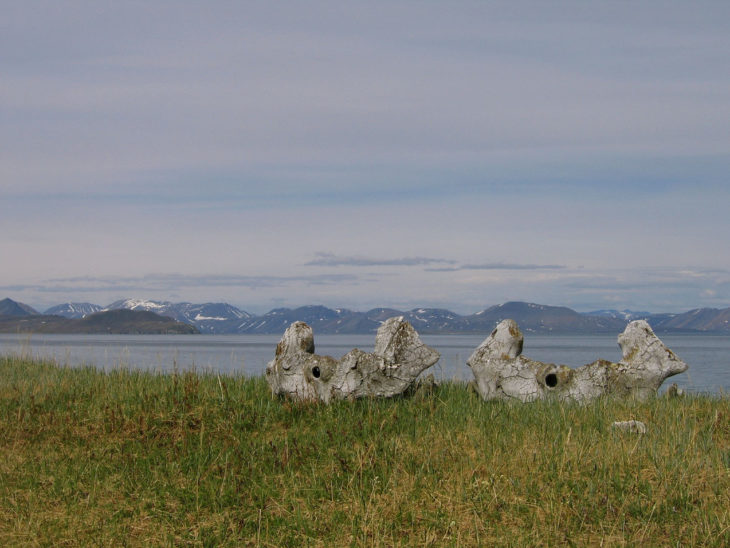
223,318
18,318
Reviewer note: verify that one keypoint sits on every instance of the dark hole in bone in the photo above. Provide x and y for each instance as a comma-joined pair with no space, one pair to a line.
551,380
315,372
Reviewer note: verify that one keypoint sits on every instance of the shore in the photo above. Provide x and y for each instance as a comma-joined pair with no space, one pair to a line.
130,457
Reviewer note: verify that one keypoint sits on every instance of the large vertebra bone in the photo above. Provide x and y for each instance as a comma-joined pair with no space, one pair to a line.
501,371
399,357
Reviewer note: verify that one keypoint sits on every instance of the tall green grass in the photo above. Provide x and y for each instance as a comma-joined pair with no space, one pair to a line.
134,458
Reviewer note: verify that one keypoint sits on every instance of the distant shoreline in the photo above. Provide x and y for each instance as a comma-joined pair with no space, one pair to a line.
113,322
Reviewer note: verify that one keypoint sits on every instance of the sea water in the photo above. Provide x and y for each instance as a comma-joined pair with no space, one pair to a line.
707,355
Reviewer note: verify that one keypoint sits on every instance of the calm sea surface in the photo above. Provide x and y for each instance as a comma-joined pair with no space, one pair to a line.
707,355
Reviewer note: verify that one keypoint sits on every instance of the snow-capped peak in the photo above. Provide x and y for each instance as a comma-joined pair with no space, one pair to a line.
137,304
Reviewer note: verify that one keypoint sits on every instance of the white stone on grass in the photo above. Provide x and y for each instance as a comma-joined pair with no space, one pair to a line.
633,426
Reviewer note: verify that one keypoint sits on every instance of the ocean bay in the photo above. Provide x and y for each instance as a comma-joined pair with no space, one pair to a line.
707,355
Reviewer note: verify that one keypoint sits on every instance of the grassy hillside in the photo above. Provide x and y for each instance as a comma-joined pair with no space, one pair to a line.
126,457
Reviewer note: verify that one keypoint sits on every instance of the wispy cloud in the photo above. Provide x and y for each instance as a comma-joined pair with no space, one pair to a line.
164,282
329,259
642,280
467,291
498,266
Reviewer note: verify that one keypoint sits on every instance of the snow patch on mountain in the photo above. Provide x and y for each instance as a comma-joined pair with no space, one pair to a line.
201,318
74,311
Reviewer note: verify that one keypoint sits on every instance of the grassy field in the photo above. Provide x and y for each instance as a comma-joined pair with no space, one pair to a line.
131,458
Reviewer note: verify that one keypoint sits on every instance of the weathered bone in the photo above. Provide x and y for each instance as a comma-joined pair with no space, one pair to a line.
399,357
501,371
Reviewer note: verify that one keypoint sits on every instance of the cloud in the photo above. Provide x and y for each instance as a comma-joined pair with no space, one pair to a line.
170,88
329,259
465,291
647,279
159,136
499,266
167,282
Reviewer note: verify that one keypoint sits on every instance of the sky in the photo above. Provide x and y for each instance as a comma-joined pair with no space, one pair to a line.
363,154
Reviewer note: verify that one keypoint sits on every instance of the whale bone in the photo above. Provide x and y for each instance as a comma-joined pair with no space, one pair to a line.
398,359
502,372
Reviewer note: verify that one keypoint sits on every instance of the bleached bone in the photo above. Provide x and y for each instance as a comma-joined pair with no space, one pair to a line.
399,357
501,371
